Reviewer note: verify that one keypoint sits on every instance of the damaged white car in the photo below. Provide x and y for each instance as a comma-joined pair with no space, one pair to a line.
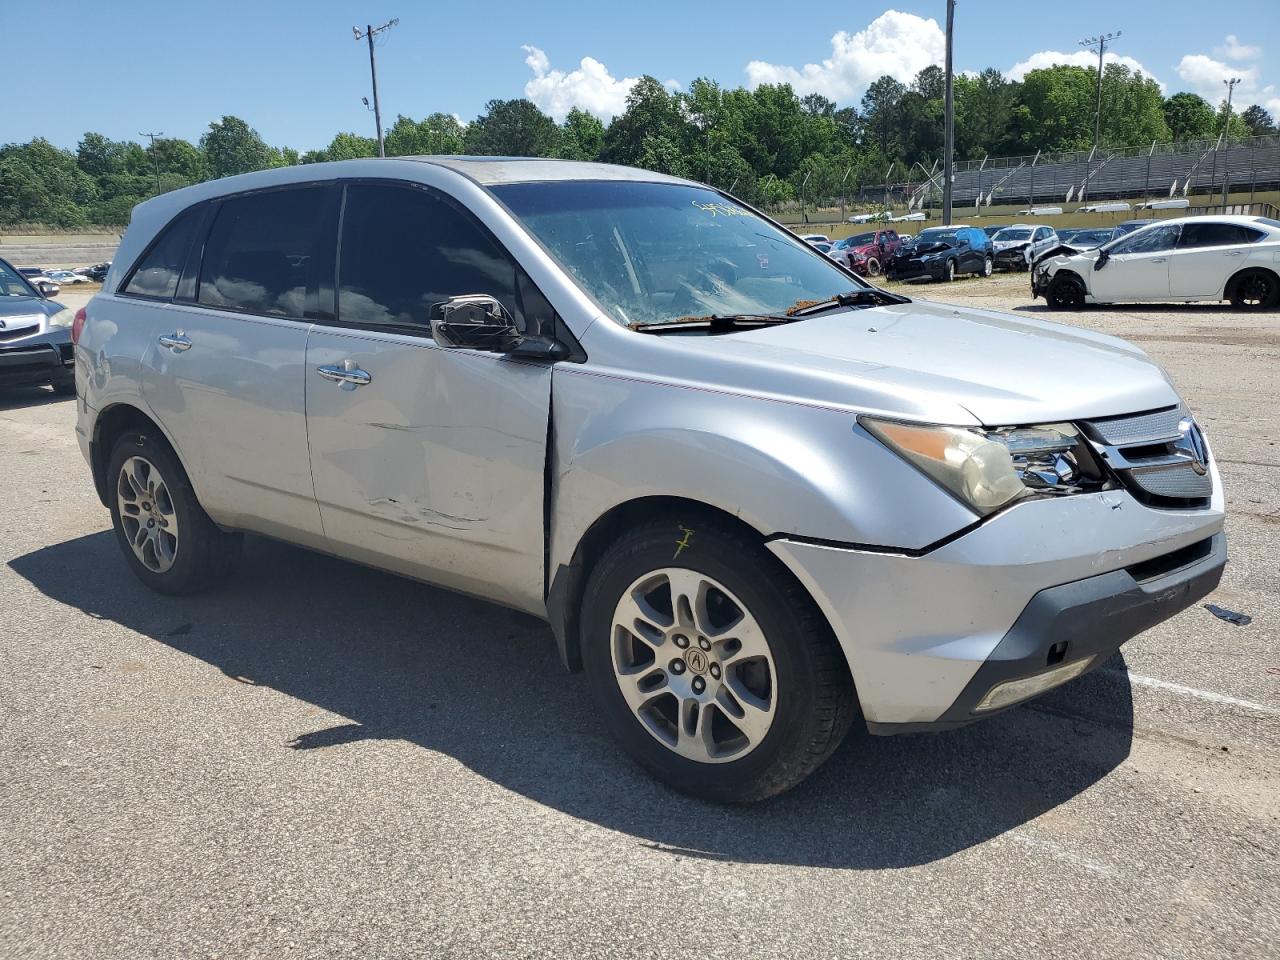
1234,258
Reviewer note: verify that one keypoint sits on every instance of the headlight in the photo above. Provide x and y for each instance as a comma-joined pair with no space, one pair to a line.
990,468
63,318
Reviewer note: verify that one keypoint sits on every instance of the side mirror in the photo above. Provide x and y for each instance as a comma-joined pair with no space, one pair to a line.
47,289
1101,262
474,321
477,321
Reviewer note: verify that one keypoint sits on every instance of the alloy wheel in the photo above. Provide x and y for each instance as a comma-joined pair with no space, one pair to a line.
1255,290
693,665
147,514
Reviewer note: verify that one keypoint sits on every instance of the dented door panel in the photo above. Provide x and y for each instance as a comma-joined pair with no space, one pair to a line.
434,468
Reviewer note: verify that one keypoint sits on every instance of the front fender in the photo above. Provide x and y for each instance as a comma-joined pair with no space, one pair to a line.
782,467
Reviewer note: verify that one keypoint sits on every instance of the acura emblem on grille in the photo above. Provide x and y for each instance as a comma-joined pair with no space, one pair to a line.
1191,443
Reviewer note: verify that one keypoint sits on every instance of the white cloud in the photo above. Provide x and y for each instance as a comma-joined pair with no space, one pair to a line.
591,87
897,44
1204,75
1233,49
1074,58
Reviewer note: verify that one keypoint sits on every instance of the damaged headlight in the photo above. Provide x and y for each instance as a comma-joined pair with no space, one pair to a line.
988,469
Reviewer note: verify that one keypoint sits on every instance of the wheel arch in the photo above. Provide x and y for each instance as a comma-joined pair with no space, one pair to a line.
567,582
110,424
1228,290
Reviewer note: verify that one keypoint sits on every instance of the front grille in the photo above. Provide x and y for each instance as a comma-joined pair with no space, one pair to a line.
10,332
1149,453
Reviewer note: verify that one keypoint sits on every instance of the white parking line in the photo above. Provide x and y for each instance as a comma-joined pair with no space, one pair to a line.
1202,694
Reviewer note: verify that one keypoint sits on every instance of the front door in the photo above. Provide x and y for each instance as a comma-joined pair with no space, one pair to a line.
1138,267
224,374
426,459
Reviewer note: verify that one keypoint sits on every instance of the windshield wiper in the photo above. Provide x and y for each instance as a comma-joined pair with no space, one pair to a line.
715,323
872,297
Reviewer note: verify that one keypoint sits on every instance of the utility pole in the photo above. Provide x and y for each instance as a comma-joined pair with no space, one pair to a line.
949,122
155,157
1226,137
1100,41
369,33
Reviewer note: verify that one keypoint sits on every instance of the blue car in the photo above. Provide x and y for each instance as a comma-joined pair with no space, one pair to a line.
943,253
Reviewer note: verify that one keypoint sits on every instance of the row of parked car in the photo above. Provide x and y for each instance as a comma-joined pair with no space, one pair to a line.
51,281
1190,259
943,253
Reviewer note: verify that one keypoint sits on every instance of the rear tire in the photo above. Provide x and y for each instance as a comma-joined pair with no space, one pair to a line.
987,266
769,653
1254,289
1066,292
167,539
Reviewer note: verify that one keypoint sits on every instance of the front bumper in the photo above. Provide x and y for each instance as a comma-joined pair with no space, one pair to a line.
32,361
1010,260
928,636
912,269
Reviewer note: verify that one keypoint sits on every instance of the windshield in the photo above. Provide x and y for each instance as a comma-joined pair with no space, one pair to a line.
937,236
861,240
1012,234
12,283
659,252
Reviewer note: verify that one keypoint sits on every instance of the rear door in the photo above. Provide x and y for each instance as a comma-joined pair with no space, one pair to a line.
426,459
1138,267
224,374
1206,256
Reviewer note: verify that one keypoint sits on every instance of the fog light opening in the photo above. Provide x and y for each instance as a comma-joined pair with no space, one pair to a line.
1057,653
1014,691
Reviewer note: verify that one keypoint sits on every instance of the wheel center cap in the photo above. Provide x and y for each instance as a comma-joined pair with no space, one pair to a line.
696,660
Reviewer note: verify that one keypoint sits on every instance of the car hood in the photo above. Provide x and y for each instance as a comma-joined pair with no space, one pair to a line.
1008,244
932,361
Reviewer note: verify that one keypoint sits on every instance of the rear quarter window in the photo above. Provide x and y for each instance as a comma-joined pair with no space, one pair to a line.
157,272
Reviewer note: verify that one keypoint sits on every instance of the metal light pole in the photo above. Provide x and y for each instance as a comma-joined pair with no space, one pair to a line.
368,34
1226,136
949,123
1100,41
155,157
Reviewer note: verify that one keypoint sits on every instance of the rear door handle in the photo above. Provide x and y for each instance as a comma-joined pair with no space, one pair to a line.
1234,253
177,341
348,374
1159,259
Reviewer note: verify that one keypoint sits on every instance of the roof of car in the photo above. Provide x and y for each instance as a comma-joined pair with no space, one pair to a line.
491,171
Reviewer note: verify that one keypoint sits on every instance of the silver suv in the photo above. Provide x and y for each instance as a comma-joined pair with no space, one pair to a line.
756,498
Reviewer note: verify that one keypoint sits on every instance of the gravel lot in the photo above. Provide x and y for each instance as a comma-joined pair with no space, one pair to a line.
322,760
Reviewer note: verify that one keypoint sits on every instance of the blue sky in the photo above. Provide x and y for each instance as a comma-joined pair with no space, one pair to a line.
294,71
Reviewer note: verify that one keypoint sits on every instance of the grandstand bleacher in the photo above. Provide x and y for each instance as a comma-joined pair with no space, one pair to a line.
1154,171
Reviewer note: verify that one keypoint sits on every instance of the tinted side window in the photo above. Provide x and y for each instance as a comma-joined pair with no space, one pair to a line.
404,251
1216,234
259,257
156,274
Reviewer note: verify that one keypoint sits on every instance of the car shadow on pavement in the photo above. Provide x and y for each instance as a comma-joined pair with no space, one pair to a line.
15,398
482,684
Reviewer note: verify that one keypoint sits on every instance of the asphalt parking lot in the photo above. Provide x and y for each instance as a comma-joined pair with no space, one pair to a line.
321,760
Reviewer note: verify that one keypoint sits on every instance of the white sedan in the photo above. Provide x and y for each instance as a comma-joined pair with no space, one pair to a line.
1234,258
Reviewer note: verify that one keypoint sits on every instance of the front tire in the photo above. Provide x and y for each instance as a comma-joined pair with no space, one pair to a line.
949,272
167,539
1255,290
1066,292
873,267
709,662
64,386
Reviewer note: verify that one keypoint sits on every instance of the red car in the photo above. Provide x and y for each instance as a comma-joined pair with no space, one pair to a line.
866,253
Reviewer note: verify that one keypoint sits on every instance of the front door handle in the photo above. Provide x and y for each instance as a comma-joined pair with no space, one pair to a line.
1234,253
1159,259
348,374
177,341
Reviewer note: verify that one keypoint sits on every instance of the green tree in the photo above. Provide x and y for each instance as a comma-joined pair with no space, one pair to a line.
1188,117
512,128
984,110
231,146
653,126
879,112
1258,121
178,158
581,136
1132,108
439,133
